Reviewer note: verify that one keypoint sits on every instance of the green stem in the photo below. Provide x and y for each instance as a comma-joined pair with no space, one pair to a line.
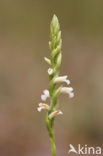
52,140
50,127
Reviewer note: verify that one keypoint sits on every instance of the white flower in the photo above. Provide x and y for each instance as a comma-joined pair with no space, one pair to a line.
55,113
42,106
68,90
71,95
62,79
50,71
45,95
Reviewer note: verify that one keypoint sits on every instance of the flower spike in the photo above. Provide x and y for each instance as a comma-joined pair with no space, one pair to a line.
53,92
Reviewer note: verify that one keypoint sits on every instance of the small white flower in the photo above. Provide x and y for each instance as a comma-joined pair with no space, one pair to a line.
50,71
71,95
42,106
46,92
39,109
55,113
68,90
62,79
45,95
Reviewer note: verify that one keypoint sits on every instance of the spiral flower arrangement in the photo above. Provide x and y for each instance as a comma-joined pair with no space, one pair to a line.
53,92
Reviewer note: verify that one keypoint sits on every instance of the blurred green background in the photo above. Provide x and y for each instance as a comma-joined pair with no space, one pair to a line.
24,36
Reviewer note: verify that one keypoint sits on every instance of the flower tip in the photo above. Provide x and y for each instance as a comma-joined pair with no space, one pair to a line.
61,112
55,22
67,81
71,89
43,97
55,17
71,95
68,90
42,106
46,92
39,109
47,60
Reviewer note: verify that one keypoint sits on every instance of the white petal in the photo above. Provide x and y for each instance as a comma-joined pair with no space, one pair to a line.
40,104
60,79
43,97
60,113
71,95
68,90
46,92
39,109
50,71
55,113
67,81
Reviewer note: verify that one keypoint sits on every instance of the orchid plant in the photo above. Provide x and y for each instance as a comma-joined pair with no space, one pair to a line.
53,92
